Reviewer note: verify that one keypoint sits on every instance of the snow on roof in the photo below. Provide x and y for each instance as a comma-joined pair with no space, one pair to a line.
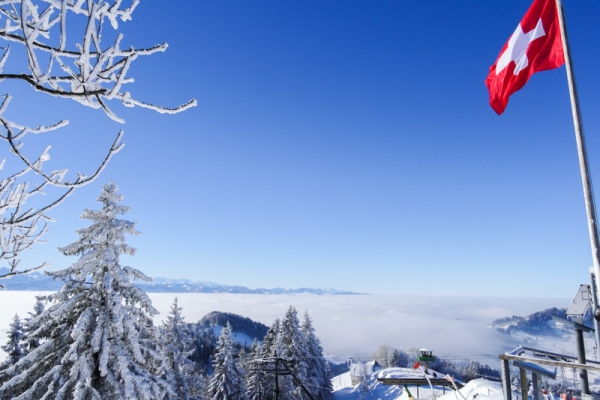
406,373
357,369
478,389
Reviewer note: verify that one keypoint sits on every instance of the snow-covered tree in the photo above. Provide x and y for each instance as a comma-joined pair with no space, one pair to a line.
260,376
31,326
318,374
250,355
14,346
57,48
228,381
98,339
177,346
270,340
198,385
255,374
14,349
385,356
291,345
401,359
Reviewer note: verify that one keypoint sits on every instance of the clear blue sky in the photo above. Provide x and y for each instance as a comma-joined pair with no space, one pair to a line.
343,144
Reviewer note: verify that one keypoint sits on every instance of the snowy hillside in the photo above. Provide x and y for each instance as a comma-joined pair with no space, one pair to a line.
245,325
539,330
237,337
538,323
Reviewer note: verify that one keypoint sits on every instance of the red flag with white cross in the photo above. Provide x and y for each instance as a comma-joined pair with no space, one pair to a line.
535,45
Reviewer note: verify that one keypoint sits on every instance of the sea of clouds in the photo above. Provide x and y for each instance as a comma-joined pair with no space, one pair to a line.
354,325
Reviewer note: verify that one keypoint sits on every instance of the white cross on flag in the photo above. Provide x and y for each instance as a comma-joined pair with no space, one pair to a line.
535,46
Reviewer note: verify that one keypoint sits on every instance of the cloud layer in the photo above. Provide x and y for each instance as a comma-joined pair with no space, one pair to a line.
355,325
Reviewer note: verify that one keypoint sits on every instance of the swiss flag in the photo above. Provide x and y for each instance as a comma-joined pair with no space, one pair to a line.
536,45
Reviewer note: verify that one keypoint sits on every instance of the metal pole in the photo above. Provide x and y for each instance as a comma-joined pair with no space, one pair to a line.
276,377
583,375
581,149
506,380
524,390
594,290
535,381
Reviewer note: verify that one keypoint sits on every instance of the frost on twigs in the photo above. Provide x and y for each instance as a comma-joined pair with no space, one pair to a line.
63,63
72,49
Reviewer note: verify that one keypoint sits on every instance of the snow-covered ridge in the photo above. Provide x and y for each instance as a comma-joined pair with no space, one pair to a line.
38,281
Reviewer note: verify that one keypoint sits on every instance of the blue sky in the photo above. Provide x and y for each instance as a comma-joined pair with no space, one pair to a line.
345,144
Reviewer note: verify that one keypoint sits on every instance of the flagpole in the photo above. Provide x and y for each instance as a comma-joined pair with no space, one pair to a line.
581,150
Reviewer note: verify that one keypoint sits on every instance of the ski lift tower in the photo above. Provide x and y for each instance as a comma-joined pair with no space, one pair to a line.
586,301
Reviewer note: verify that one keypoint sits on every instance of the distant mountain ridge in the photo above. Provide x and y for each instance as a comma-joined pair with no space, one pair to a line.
38,281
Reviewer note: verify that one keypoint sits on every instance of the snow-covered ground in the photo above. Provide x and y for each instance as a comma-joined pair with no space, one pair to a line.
353,325
479,389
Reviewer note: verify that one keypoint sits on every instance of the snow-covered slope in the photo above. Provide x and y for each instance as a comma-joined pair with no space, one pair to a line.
238,337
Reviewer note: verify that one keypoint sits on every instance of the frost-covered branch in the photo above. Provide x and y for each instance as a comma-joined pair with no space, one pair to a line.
83,69
64,56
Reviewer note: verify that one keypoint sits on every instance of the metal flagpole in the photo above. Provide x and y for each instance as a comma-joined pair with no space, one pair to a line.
581,149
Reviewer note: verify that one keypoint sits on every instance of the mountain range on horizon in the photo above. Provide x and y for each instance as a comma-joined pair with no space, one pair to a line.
39,281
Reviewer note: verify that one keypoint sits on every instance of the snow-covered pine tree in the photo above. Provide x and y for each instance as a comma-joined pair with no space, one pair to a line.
14,348
198,385
291,345
31,327
260,382
318,374
176,346
251,354
98,337
228,381
270,340
255,373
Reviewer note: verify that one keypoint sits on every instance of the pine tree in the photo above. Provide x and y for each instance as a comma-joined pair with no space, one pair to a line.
198,385
291,345
251,354
14,348
255,373
228,381
269,343
177,346
98,336
260,381
32,323
318,373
